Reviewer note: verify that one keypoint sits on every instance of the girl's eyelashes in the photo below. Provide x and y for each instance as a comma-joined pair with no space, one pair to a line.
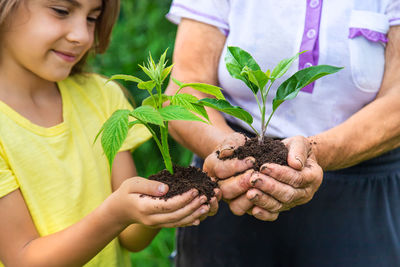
92,19
62,12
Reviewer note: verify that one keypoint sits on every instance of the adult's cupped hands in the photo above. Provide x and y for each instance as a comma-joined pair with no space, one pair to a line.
274,188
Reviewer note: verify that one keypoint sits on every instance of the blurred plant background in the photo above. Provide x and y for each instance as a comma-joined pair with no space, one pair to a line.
143,28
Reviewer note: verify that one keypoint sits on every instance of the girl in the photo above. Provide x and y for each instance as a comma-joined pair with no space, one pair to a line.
58,203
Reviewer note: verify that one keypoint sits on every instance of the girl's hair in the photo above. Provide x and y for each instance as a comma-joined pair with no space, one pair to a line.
104,25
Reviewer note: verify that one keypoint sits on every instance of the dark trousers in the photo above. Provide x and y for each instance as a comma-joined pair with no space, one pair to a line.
353,220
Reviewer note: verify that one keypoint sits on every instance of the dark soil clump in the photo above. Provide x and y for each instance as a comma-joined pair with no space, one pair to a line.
184,179
270,151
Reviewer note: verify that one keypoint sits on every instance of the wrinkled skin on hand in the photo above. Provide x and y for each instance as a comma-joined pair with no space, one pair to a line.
272,189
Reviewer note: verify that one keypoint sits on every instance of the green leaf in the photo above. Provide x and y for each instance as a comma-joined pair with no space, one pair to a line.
236,59
189,102
173,113
292,86
177,82
199,109
226,107
149,72
115,130
206,88
257,77
166,72
283,66
148,85
124,77
148,114
132,123
153,100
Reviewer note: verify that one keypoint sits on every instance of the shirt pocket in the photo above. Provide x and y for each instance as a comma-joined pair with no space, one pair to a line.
367,41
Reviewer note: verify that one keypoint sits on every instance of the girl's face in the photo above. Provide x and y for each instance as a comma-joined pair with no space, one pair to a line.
48,37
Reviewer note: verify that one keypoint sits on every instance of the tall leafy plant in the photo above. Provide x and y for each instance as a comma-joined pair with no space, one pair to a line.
241,65
153,113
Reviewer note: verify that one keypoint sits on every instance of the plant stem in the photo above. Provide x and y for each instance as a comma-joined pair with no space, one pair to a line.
258,102
158,88
166,158
164,142
263,125
266,125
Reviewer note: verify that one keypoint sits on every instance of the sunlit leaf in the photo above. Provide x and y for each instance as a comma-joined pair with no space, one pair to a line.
148,85
206,88
149,72
125,77
257,77
177,82
292,86
189,102
283,66
148,114
114,133
226,107
173,113
153,100
166,72
236,59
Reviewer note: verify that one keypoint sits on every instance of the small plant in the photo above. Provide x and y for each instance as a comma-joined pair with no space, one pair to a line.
241,65
152,112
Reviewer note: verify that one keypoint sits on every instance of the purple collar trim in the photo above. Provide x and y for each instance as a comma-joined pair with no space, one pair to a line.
310,40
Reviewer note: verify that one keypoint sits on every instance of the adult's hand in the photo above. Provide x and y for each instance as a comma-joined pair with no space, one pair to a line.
278,188
215,165
233,174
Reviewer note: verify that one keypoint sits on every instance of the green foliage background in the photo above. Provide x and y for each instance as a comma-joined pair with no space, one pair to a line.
143,28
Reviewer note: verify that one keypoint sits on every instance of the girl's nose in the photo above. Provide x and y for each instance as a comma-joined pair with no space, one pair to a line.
80,32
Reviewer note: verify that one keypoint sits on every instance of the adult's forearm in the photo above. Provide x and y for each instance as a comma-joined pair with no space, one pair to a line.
370,132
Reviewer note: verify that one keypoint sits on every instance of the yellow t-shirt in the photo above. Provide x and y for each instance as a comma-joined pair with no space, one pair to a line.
62,175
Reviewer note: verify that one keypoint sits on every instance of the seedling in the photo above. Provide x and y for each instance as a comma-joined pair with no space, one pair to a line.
152,112
241,65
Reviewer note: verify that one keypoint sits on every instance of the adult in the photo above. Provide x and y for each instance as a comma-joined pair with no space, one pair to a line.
346,124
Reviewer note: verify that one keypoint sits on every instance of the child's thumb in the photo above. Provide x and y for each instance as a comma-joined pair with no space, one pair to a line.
147,187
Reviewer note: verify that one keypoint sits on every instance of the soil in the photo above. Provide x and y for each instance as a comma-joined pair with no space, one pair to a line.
270,151
184,179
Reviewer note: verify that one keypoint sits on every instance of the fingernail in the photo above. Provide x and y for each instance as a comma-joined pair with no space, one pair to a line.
254,181
162,188
225,148
255,197
265,169
203,210
203,199
250,161
196,222
301,162
195,193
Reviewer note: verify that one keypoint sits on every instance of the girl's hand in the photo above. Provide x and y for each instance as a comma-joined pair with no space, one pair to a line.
135,201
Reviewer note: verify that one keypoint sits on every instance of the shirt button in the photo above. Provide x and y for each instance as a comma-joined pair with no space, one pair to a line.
314,3
311,33
308,64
